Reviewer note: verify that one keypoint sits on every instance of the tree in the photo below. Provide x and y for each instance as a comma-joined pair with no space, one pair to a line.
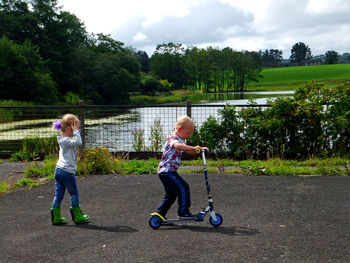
106,71
60,33
55,32
144,60
246,67
23,73
332,57
271,57
167,62
17,22
299,53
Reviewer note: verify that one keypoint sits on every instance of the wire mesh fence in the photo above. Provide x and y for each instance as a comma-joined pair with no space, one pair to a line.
109,126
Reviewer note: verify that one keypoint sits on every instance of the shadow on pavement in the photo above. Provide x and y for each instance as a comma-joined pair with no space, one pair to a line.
234,231
116,229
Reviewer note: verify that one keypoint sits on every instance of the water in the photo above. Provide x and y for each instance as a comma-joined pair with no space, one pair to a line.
119,136
115,130
242,98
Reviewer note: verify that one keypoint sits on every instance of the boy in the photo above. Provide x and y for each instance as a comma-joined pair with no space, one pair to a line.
174,185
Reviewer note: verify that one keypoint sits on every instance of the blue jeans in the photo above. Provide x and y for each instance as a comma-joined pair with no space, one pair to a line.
175,187
65,180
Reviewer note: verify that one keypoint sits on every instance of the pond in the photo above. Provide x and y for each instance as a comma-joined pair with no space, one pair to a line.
116,131
119,137
242,98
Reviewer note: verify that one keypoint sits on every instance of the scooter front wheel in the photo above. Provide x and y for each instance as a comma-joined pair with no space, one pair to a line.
155,221
216,222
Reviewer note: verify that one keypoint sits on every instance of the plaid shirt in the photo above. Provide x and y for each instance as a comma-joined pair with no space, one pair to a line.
171,158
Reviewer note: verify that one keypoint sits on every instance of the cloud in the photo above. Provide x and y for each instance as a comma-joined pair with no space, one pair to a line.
199,25
242,25
139,37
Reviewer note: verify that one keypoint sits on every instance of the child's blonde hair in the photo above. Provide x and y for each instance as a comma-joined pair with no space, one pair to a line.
183,121
67,121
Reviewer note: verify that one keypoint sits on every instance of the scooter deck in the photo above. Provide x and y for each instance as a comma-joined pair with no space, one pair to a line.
178,220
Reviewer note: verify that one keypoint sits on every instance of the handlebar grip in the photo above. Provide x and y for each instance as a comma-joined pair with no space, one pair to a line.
198,150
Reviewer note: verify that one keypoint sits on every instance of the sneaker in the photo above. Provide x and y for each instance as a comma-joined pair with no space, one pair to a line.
186,215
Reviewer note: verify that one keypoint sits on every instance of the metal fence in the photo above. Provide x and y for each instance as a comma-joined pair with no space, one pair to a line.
109,126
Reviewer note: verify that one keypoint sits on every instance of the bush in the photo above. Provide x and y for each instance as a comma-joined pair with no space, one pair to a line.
20,157
165,86
150,86
95,161
316,122
41,146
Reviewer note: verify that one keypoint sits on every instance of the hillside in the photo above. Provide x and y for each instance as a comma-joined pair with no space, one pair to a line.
287,78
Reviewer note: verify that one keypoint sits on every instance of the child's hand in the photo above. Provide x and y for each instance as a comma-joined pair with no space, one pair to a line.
76,126
201,148
205,149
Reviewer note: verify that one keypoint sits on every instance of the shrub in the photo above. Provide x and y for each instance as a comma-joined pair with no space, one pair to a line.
165,86
95,161
150,86
314,123
20,157
41,146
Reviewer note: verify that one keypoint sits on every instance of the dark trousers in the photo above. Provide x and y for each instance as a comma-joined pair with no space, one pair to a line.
175,187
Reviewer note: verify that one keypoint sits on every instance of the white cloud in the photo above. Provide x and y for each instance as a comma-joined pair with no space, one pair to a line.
242,25
321,7
139,37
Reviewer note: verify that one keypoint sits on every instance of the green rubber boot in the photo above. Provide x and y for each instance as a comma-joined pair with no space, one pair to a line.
56,217
77,215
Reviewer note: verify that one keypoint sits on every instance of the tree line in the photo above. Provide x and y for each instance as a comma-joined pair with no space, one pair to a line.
47,56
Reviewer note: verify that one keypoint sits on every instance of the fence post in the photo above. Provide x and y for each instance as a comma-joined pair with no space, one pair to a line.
188,108
82,122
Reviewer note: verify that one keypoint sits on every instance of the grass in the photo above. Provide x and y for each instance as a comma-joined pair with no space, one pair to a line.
36,175
289,78
175,96
274,79
6,187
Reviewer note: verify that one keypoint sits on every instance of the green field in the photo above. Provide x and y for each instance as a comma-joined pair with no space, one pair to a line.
289,78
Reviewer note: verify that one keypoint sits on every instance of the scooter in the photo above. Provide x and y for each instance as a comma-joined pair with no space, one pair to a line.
156,220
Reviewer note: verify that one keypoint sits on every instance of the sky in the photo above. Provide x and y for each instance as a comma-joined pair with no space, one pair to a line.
250,25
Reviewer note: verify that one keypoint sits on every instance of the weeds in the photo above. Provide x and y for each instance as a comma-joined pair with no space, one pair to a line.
139,140
27,182
96,161
5,187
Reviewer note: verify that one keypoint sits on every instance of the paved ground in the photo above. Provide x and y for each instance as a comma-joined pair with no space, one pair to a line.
266,219
11,171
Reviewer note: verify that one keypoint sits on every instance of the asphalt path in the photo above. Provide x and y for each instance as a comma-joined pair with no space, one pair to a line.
266,219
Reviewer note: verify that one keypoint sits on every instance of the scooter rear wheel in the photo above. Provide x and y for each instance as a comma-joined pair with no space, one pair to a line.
155,221
216,222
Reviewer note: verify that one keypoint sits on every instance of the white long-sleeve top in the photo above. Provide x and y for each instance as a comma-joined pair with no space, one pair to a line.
68,155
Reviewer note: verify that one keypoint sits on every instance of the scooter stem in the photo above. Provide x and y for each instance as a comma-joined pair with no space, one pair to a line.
203,157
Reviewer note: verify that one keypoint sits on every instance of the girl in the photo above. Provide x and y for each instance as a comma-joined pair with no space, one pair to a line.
65,170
